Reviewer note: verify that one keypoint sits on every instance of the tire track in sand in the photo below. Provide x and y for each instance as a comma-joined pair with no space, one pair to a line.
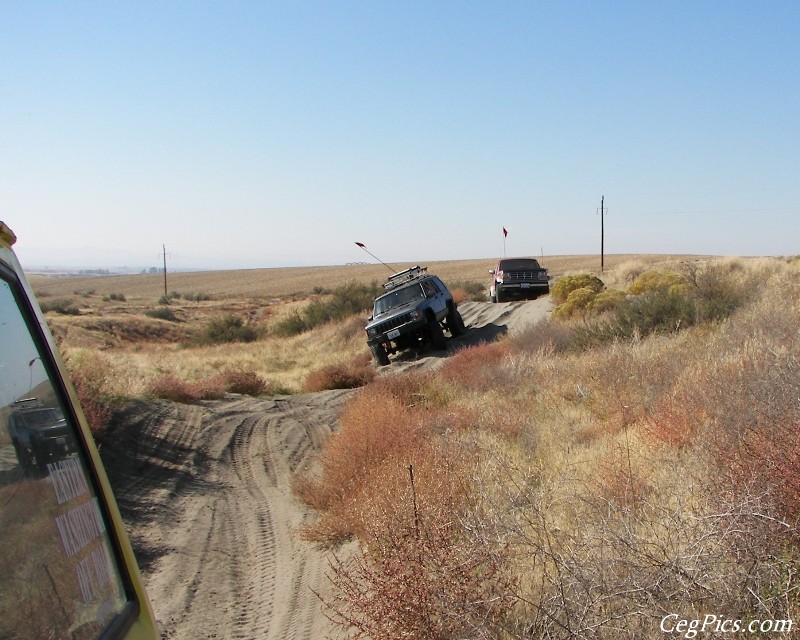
215,518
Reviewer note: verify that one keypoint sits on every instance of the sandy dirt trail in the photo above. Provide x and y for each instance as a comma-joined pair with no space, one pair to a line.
205,490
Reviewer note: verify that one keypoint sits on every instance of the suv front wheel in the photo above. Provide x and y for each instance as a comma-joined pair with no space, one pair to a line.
436,334
379,354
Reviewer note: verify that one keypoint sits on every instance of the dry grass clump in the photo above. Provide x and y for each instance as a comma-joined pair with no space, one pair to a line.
584,494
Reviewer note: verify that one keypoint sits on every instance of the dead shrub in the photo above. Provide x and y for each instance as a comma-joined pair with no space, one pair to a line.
628,271
473,367
90,378
423,575
96,406
170,387
550,337
418,389
671,424
341,376
246,383
374,426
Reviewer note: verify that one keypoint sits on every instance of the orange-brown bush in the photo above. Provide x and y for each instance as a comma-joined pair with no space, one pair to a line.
246,383
375,426
473,367
341,376
423,574
88,376
169,387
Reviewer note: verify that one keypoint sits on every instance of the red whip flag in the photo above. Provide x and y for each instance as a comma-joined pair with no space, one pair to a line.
361,245
505,232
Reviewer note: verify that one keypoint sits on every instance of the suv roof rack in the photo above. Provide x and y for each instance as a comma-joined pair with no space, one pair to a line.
28,403
404,277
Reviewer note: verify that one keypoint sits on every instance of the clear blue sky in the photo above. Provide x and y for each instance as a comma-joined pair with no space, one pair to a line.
244,134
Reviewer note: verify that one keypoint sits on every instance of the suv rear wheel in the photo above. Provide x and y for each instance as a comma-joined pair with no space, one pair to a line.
455,323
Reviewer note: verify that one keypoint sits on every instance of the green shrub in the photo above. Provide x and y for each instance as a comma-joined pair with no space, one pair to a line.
565,285
650,281
291,325
468,290
162,313
196,296
660,311
577,303
60,305
719,289
344,301
227,328
608,300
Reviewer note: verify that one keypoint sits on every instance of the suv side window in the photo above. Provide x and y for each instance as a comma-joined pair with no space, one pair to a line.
429,288
59,569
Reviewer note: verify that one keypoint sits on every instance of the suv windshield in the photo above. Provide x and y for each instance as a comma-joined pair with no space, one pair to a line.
39,417
398,298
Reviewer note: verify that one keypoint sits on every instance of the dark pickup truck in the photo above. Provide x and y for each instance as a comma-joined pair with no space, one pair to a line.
518,278
414,312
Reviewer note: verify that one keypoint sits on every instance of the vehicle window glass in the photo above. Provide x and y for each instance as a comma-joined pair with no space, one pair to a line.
398,298
57,567
519,265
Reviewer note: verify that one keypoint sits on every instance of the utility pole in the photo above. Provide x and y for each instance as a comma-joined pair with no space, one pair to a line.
602,236
164,249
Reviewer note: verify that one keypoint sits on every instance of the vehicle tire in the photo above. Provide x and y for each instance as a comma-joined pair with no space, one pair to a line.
379,354
455,323
436,334
24,459
497,297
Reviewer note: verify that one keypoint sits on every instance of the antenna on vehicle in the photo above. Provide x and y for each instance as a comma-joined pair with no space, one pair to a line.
360,244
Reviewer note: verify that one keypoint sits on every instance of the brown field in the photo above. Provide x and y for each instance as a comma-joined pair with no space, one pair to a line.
300,281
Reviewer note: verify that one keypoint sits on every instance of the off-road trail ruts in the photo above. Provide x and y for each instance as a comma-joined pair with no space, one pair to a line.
205,490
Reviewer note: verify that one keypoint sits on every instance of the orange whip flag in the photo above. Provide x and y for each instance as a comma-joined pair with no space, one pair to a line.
363,246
